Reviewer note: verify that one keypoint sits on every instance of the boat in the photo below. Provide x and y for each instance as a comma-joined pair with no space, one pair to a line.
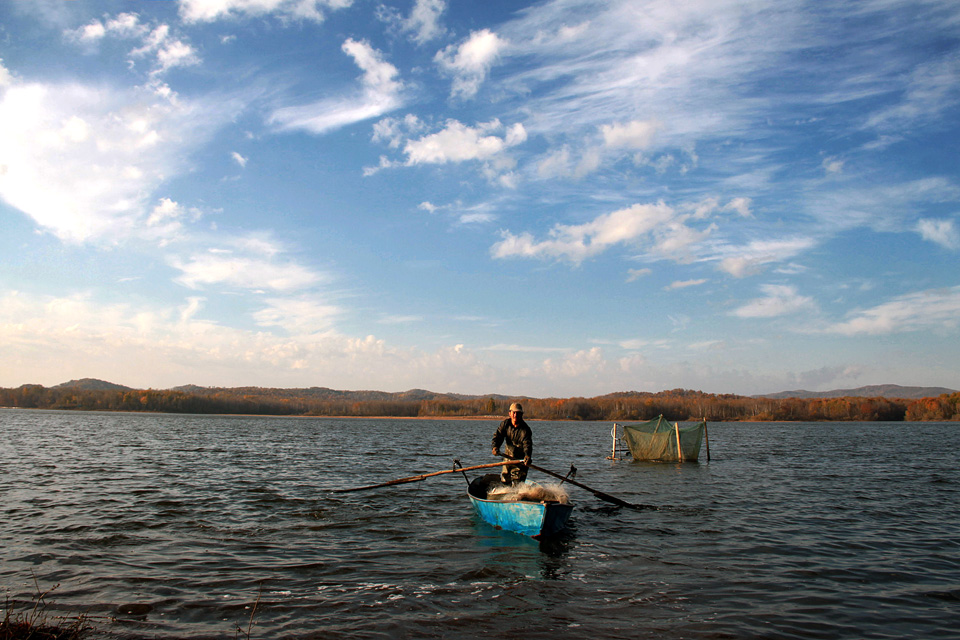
659,441
535,518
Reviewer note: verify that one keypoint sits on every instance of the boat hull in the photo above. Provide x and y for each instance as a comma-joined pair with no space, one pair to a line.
534,519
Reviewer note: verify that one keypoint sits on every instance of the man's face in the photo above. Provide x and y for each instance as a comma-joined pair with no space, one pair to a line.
515,415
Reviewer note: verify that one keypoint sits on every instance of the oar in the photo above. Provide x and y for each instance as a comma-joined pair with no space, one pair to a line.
600,494
424,476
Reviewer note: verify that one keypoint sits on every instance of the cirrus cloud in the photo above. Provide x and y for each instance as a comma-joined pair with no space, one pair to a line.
779,300
210,10
920,311
380,93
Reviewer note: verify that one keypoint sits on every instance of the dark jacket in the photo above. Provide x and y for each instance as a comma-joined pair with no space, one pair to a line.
518,439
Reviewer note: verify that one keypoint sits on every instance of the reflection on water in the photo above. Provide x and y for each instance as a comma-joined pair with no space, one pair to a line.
178,526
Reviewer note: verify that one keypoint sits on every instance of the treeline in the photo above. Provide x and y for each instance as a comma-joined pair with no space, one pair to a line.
678,404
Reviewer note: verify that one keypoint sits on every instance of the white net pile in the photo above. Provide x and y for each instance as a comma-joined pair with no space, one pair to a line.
529,492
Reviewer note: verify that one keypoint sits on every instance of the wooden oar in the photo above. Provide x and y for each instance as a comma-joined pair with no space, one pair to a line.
600,494
424,476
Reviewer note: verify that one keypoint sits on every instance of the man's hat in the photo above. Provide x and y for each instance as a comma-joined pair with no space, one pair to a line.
516,406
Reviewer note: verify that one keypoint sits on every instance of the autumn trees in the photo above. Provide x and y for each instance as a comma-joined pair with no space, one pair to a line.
676,404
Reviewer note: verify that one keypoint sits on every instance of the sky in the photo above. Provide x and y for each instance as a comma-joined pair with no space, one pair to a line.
552,199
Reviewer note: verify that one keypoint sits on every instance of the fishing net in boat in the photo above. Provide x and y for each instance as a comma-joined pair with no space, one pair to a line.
657,439
527,491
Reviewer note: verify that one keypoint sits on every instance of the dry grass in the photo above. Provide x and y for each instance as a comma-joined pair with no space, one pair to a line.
32,623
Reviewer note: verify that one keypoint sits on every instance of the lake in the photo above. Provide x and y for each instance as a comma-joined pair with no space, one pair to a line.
183,526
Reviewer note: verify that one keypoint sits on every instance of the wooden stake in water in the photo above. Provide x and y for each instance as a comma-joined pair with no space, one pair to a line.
706,437
676,425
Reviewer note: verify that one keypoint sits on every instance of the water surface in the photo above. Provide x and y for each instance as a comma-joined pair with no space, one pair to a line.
163,526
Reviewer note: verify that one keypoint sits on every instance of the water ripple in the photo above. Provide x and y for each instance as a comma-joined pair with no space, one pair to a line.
184,526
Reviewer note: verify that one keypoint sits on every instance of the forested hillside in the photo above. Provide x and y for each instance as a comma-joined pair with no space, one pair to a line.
677,404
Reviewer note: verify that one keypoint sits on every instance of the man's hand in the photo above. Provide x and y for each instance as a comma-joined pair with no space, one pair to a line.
496,451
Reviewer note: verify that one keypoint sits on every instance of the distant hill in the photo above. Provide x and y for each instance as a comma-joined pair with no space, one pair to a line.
92,384
890,403
420,395
871,391
323,393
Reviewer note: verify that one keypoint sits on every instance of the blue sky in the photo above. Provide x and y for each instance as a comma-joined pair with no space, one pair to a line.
558,198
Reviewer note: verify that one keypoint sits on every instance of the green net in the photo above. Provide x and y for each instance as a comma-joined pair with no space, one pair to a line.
657,440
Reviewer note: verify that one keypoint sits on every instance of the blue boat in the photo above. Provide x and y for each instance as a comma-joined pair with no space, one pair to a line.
535,519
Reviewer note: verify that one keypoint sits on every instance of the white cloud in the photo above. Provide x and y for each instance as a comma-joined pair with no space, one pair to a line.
175,54
77,336
189,310
92,32
424,20
931,89
632,364
565,162
5,77
458,143
743,266
243,272
750,259
477,217
378,75
779,300
124,25
926,310
477,214
380,94
637,134
674,237
683,284
636,274
400,319
832,165
239,159
889,207
486,142
707,345
652,62
165,210
556,164
169,51
299,315
83,162
708,206
394,132
561,163
576,365
942,232
576,243
210,10
470,62
740,205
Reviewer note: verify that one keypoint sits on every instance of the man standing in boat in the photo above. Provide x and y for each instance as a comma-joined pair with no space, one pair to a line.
514,433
